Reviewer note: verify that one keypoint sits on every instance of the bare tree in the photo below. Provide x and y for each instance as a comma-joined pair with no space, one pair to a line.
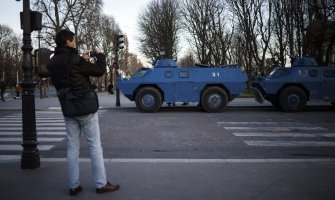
107,29
59,14
159,25
133,64
205,20
254,24
10,56
279,42
187,60
319,40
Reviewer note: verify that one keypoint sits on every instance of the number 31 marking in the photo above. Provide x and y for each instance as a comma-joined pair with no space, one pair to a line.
215,74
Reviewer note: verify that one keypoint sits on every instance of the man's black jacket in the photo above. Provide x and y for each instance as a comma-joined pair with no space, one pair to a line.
69,70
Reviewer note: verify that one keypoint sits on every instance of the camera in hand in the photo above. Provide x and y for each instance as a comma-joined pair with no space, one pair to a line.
93,54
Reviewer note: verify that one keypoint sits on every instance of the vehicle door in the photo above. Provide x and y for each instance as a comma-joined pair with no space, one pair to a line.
312,79
329,84
184,86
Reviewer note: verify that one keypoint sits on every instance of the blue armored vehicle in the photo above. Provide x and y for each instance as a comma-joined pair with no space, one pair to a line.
211,87
290,88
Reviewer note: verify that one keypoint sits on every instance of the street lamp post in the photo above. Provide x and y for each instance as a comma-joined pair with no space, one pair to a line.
30,158
118,45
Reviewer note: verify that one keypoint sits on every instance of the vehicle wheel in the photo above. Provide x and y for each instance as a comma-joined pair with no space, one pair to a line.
333,103
214,99
292,99
148,99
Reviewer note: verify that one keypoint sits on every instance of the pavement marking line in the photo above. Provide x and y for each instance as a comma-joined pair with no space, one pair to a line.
13,133
199,161
54,108
9,157
19,139
249,123
266,123
37,125
278,128
182,161
8,147
37,118
60,111
291,143
280,134
37,121
38,128
327,134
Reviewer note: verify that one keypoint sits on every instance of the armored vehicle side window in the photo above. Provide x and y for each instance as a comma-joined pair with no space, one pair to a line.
141,72
278,72
304,73
168,74
329,73
313,73
183,74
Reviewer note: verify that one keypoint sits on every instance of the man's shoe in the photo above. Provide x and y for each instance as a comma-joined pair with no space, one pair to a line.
74,191
108,188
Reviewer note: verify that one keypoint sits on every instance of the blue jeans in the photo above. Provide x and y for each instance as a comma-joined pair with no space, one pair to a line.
89,126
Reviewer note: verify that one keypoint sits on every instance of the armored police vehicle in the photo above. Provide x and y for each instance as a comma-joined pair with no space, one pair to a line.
211,87
290,88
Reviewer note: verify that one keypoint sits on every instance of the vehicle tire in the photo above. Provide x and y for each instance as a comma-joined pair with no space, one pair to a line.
292,99
148,99
333,103
214,99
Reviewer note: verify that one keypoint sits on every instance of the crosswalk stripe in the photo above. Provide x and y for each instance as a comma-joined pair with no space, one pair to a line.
37,125
280,129
38,129
50,133
280,134
37,118
16,139
277,128
249,123
7,147
37,121
266,123
291,143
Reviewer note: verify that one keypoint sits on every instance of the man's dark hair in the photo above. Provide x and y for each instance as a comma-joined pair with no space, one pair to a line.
62,36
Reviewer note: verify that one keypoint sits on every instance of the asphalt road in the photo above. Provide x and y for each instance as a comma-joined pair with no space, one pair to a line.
244,131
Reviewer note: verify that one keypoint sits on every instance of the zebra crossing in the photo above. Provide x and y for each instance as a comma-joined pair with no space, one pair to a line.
282,134
50,129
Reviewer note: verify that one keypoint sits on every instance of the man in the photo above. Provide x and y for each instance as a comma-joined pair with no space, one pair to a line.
69,70
2,89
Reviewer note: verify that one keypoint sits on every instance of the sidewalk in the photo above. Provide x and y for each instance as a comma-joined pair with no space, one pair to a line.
177,180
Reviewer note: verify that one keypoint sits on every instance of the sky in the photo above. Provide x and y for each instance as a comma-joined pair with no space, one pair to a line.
125,13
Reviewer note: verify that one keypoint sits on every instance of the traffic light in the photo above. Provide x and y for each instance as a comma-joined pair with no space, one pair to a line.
35,20
119,42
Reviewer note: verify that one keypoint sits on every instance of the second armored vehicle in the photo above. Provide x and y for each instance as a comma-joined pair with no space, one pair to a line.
289,88
211,87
